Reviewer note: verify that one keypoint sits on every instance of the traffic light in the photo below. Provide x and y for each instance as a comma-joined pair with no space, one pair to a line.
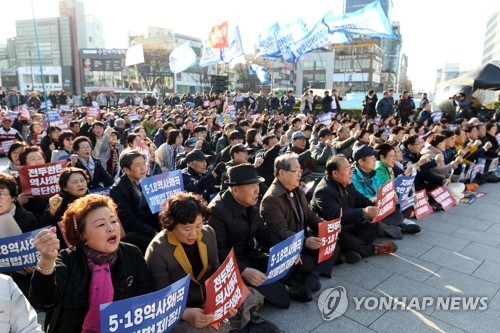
220,83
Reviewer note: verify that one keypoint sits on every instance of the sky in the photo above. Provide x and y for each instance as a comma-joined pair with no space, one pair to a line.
434,32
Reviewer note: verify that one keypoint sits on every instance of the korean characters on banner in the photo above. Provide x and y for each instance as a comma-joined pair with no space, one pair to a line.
404,190
18,252
443,197
386,201
5,145
422,207
61,122
283,256
225,290
329,232
41,180
94,112
101,191
160,187
325,118
156,312
477,168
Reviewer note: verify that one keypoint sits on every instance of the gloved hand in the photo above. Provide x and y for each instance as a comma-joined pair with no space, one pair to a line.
220,168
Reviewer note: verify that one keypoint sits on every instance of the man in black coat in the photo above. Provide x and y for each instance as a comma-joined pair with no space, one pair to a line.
236,221
140,224
334,194
272,149
195,177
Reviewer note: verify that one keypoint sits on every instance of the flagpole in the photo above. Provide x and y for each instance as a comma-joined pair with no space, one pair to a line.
40,62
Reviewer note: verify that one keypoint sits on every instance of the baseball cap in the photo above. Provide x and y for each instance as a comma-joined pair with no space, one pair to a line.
364,151
191,142
6,119
298,135
238,148
195,155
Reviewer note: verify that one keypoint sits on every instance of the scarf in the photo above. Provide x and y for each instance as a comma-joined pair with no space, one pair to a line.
101,286
90,166
9,225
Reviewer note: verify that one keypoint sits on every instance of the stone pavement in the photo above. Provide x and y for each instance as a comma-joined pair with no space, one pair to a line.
456,254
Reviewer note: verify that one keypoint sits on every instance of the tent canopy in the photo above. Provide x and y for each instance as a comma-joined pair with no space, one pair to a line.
486,77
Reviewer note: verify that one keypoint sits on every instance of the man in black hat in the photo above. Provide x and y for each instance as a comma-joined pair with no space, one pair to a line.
236,221
195,176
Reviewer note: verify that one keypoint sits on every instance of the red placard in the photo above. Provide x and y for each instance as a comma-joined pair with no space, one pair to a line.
5,145
41,180
328,231
386,200
225,290
422,207
443,197
93,111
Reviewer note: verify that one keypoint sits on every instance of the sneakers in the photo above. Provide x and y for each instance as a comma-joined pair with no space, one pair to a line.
300,293
262,327
312,282
351,257
410,227
385,247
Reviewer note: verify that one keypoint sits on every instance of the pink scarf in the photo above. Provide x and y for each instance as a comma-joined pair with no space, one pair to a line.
101,287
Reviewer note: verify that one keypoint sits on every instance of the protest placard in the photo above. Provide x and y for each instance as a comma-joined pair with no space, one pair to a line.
93,111
41,180
225,289
386,201
477,168
101,191
403,186
141,146
328,231
493,165
325,118
18,252
422,207
282,257
51,114
158,311
61,122
443,197
160,187
5,145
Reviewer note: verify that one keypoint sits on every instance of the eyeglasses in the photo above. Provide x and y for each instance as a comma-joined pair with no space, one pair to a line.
299,171
4,195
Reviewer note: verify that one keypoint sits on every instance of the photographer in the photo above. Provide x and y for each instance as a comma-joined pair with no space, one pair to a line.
462,104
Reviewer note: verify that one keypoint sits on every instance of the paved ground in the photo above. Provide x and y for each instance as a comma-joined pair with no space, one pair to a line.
456,254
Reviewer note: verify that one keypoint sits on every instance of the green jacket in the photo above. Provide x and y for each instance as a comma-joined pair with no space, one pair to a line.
382,171
361,186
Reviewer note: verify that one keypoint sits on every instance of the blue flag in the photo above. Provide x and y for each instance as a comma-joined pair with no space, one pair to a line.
288,35
181,58
317,38
267,44
282,257
235,48
370,21
210,56
261,72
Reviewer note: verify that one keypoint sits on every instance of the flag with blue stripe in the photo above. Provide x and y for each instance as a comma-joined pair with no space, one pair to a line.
261,72
181,58
210,56
235,48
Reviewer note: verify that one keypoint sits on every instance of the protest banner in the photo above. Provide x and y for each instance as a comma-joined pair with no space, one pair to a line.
477,168
422,207
141,146
18,252
5,145
23,112
225,289
61,122
160,187
226,119
94,112
282,257
325,118
158,311
443,197
41,180
102,191
403,186
493,165
328,231
386,201
51,114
